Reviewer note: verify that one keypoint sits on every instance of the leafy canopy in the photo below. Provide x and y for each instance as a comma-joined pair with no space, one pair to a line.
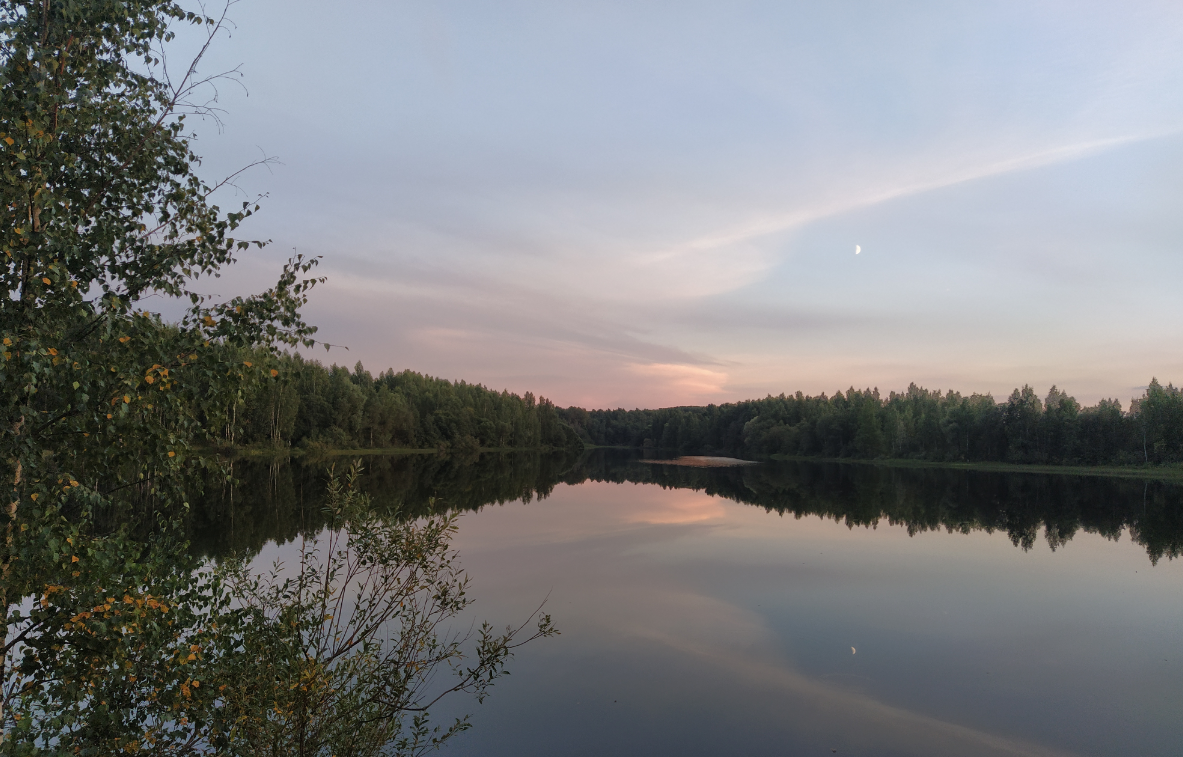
103,402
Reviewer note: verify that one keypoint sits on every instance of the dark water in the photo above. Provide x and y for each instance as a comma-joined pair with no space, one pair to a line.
792,608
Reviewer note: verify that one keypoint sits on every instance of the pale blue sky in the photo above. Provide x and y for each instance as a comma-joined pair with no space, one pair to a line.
658,203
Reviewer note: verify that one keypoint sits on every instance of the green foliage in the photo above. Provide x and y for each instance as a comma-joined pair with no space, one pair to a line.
103,402
916,424
119,663
312,405
115,639
338,655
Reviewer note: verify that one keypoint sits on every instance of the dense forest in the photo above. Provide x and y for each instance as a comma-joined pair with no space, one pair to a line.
916,424
306,404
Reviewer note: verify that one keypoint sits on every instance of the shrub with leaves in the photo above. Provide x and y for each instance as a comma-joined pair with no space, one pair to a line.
114,640
344,652
102,403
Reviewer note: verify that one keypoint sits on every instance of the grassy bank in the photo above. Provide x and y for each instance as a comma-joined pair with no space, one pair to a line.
1149,472
1155,472
277,453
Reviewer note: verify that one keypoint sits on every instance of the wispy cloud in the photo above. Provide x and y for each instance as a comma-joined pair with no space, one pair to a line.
616,204
888,191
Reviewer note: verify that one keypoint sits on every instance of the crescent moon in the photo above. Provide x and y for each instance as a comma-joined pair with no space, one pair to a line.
857,249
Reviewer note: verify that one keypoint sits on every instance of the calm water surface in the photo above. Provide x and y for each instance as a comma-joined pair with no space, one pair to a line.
795,609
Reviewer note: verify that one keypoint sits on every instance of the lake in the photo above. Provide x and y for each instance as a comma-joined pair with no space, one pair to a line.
789,608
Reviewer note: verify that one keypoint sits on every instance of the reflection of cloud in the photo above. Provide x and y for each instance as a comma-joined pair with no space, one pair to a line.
657,601
869,723
686,507
739,644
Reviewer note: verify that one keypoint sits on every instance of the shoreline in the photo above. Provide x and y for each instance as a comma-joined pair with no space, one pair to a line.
1172,472
1160,473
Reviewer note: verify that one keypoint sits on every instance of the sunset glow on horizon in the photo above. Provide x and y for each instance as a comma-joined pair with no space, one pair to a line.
642,205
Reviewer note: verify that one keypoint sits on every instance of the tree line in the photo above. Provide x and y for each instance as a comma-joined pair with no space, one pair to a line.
915,424
305,403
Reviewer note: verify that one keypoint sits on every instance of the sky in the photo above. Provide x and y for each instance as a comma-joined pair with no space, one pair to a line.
649,204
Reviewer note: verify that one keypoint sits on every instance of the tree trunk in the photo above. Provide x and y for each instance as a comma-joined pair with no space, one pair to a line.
10,522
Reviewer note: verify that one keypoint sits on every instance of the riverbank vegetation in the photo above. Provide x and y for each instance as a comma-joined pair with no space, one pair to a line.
117,640
916,424
309,406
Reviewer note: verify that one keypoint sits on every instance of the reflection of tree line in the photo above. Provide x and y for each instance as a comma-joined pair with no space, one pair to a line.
955,500
282,501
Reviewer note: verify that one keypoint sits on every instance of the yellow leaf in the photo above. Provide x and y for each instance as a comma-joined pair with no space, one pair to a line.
247,363
126,399
52,351
124,339
33,497
47,281
74,558
172,454
274,373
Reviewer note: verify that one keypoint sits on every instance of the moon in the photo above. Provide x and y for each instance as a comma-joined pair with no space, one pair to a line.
857,249
852,650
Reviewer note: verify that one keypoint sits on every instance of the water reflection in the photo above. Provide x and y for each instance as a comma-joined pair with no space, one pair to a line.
278,501
714,611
